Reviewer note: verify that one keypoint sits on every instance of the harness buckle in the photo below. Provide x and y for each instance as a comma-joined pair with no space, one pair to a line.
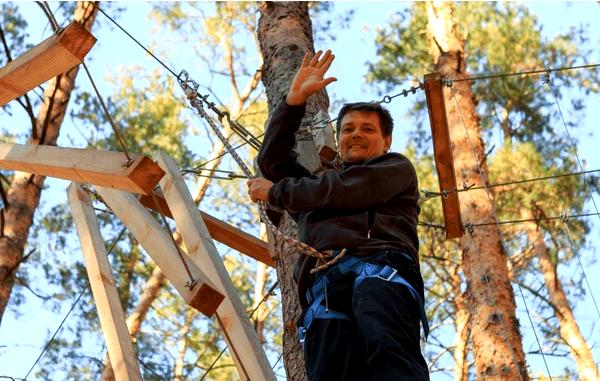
389,277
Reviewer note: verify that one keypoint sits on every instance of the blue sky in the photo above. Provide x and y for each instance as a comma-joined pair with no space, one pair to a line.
21,337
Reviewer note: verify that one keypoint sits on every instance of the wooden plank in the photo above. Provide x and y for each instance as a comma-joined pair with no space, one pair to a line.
221,231
103,168
156,241
246,350
444,162
106,295
53,56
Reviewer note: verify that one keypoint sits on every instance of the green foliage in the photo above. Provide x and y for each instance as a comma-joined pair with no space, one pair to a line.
499,38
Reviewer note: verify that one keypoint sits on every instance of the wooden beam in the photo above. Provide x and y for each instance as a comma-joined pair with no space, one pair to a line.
53,56
442,149
221,231
246,350
103,168
204,296
106,295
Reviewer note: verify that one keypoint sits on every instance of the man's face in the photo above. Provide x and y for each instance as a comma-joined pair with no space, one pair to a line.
361,137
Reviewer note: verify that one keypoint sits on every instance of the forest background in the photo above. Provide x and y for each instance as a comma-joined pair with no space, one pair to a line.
153,114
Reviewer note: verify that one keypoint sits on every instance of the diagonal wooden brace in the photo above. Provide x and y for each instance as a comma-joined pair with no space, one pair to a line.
103,168
219,230
246,350
106,295
53,56
204,296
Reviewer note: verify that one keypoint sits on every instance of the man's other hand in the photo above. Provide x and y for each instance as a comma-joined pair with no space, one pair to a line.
258,189
309,78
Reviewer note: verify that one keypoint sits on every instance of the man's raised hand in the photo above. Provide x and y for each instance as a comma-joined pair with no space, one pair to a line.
309,78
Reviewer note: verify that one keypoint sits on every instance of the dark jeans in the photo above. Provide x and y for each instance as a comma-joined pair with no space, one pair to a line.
381,343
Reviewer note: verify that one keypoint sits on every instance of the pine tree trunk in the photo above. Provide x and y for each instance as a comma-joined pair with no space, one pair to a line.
497,342
569,330
285,35
24,193
462,330
259,291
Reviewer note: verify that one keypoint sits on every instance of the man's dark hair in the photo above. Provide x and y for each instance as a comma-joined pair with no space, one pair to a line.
385,118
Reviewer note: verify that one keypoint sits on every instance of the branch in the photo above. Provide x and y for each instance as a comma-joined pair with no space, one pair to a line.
542,297
24,284
27,106
21,260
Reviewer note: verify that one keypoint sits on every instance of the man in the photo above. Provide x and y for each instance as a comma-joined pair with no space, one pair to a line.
361,314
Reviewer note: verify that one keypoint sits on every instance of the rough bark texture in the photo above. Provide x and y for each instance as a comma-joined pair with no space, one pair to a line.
285,35
568,328
462,330
497,346
24,193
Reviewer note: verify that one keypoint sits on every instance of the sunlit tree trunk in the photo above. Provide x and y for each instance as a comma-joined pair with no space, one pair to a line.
497,345
568,328
285,35
182,346
461,328
24,192
259,293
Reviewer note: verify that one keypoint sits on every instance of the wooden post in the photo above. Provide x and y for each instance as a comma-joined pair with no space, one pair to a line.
246,350
53,56
444,162
106,296
219,230
103,168
204,296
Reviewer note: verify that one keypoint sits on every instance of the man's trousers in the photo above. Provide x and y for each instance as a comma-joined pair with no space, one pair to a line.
381,343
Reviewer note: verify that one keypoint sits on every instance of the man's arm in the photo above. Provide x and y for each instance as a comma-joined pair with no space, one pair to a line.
359,187
276,158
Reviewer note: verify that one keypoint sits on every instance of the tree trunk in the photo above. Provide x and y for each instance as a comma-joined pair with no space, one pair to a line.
462,329
24,193
569,330
182,344
259,293
497,343
285,35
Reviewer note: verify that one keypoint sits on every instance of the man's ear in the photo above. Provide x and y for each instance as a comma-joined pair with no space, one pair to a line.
387,142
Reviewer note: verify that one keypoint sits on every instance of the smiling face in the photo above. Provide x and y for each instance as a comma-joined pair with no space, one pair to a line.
361,137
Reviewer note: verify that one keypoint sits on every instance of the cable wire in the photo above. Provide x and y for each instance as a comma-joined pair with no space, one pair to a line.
108,117
263,300
135,40
565,222
573,146
431,194
524,73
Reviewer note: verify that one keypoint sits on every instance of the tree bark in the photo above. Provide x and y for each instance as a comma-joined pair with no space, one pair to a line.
462,329
497,346
25,189
568,328
285,35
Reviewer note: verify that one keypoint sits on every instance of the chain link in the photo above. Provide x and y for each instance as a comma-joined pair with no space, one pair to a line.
190,88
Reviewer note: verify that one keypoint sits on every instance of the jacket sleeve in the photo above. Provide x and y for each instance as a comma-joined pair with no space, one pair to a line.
276,158
358,187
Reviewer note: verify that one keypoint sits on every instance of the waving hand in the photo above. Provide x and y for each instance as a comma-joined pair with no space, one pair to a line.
310,77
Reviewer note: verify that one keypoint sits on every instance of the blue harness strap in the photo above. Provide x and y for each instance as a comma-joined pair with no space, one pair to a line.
363,270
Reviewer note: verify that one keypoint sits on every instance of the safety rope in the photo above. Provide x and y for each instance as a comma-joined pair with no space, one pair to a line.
190,88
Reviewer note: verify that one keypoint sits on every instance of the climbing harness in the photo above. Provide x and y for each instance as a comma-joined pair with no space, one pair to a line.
190,88
317,294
